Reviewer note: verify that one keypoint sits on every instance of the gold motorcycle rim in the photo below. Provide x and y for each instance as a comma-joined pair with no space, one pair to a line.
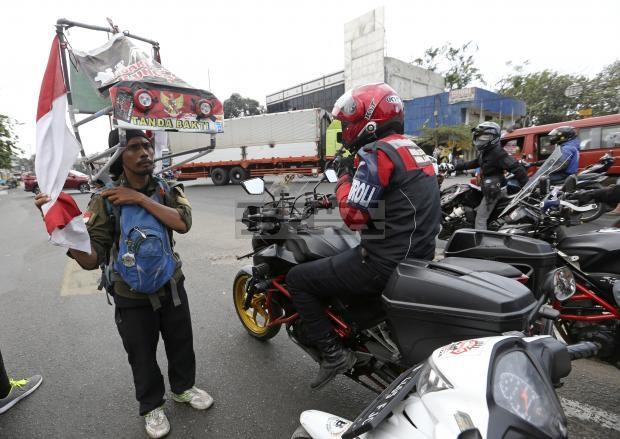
256,317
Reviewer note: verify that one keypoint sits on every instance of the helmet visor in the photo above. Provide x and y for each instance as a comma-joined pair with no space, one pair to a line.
483,138
345,107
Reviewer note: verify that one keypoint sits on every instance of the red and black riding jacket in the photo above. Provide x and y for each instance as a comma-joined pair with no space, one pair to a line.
393,200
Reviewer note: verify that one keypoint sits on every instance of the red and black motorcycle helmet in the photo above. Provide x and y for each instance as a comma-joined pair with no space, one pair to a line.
368,112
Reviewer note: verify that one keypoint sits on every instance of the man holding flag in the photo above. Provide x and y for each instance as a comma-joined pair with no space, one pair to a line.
140,315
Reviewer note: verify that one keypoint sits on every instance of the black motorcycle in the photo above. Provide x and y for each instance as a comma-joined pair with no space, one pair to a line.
459,202
534,237
593,177
424,305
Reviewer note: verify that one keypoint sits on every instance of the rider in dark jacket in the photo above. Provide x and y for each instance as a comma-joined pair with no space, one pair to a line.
493,161
389,193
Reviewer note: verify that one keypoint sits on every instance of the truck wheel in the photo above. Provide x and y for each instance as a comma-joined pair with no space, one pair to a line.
219,176
238,174
36,190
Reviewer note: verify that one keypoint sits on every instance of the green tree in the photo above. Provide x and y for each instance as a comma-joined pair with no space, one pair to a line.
238,106
8,149
602,93
544,94
456,64
458,136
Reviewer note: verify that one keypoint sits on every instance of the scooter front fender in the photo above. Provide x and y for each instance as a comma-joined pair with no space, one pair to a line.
322,425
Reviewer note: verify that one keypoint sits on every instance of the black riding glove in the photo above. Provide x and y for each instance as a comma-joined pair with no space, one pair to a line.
343,165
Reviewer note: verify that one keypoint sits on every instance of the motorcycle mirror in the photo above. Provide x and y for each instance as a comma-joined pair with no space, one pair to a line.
559,284
471,433
543,186
570,185
254,186
331,176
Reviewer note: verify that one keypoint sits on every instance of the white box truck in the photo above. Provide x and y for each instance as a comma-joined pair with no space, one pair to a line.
267,144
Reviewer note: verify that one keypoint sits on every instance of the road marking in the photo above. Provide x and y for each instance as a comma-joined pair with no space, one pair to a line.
79,282
586,412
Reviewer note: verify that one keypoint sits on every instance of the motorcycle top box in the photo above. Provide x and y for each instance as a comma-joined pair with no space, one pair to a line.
533,257
430,304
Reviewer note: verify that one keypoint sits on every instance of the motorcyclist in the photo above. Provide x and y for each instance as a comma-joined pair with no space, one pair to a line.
493,161
566,138
388,193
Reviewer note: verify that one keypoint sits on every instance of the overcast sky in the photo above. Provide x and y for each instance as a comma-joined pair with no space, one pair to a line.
256,48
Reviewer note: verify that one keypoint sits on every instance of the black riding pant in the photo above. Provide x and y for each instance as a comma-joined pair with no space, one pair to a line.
139,328
345,274
5,387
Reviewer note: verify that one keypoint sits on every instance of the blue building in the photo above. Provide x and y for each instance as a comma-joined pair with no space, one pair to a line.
467,105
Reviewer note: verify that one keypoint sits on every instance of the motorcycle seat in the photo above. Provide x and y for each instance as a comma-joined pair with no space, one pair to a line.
495,267
584,177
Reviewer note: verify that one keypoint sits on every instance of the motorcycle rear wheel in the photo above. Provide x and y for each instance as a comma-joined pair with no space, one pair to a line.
256,318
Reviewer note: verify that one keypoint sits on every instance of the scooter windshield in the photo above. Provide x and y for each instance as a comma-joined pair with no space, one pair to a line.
554,163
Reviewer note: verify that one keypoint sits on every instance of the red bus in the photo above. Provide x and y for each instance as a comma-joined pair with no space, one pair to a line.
595,134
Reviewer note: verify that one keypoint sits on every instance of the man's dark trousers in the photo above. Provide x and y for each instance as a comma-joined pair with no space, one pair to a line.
345,274
139,328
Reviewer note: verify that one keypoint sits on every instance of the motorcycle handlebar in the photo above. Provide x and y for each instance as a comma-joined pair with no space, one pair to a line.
584,349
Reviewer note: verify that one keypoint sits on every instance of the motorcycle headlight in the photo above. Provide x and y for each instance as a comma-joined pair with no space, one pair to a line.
564,285
519,388
431,380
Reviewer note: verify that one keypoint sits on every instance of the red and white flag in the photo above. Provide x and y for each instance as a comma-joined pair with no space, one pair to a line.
57,150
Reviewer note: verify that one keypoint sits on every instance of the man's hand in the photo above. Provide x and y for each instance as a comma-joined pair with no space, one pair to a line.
123,195
343,165
40,199
443,167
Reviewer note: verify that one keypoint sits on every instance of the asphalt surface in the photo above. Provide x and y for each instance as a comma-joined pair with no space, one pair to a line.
54,322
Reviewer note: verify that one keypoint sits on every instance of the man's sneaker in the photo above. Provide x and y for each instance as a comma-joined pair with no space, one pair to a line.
156,423
19,390
197,398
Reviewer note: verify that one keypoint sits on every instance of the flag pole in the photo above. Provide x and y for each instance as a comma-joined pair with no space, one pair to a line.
65,73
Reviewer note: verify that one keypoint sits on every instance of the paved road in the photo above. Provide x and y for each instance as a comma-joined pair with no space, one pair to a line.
54,322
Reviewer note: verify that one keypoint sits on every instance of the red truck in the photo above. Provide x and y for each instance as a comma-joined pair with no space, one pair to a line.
75,180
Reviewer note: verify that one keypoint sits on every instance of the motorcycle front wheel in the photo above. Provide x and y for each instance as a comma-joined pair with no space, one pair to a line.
256,318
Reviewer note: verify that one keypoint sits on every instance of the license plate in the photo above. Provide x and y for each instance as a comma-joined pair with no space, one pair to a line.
382,405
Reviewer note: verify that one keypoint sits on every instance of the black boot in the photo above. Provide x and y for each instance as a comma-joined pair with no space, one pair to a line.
335,359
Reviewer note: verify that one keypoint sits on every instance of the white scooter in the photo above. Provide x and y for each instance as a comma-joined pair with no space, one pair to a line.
493,387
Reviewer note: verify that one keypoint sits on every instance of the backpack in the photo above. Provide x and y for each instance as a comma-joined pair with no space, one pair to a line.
142,253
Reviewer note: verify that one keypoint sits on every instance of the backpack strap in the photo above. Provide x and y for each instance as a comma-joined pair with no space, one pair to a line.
175,292
155,302
108,276
166,189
